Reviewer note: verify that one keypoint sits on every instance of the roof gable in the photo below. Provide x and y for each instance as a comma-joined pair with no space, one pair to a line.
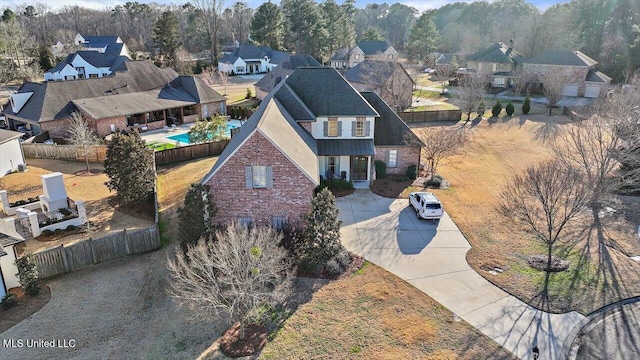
374,72
497,53
373,47
389,128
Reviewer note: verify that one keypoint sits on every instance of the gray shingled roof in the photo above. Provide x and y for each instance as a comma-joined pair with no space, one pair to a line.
93,57
327,93
562,57
337,147
268,81
294,104
247,51
497,53
7,135
53,100
597,76
390,129
6,240
373,72
274,122
373,47
341,54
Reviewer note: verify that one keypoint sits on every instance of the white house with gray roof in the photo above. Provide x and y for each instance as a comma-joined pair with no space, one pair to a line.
314,125
11,151
85,65
251,59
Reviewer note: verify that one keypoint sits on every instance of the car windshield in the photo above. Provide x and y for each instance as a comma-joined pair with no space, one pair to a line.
433,206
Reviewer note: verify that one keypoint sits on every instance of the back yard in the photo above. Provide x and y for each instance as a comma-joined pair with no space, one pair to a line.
499,148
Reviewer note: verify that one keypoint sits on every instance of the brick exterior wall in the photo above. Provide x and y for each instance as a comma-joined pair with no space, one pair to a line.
488,67
156,125
290,196
407,155
103,126
306,125
56,128
575,74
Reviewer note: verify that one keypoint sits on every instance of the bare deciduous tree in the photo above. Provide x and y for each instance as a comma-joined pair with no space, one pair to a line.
224,79
212,12
235,276
598,145
545,199
470,93
553,82
441,143
444,72
81,136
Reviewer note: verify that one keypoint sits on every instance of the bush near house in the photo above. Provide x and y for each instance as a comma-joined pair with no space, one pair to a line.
412,172
497,109
510,109
9,301
381,169
526,106
28,274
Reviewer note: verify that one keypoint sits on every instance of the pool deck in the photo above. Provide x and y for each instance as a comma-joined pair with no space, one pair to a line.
161,135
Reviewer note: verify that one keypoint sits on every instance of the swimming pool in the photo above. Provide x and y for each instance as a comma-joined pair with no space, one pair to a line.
184,137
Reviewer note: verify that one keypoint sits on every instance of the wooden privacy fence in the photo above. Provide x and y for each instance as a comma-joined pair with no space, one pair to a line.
190,152
63,152
64,259
436,115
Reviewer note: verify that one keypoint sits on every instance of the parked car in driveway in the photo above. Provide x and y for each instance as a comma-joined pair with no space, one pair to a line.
426,205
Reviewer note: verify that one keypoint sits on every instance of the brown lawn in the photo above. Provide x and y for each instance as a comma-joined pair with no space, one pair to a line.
90,189
374,315
173,182
498,149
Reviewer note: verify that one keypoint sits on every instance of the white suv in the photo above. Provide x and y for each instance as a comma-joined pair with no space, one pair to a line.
426,204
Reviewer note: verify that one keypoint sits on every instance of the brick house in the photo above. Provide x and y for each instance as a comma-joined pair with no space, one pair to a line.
313,125
388,79
579,70
138,96
499,61
364,50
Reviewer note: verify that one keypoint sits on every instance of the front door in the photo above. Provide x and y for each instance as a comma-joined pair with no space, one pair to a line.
359,168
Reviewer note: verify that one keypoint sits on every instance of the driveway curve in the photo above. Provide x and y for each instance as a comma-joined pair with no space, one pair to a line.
431,256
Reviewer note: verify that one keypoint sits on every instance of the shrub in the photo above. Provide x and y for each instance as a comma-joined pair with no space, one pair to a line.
322,231
334,184
292,239
435,181
526,106
510,109
71,228
344,258
9,301
497,108
58,231
412,172
333,267
480,109
249,95
28,274
47,232
381,169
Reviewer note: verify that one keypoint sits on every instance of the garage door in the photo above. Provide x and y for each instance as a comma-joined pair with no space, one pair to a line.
570,90
592,91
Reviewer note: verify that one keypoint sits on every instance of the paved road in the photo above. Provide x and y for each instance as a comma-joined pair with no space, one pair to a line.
431,256
612,335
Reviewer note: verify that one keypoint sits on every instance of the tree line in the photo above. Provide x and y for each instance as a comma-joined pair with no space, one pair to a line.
602,29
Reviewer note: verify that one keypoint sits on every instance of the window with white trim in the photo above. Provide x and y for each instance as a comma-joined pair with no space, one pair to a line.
393,158
359,126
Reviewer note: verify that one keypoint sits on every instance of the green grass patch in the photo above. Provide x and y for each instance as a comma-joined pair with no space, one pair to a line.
426,94
441,106
159,146
164,231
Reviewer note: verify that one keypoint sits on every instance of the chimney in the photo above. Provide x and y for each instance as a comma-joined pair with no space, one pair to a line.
511,44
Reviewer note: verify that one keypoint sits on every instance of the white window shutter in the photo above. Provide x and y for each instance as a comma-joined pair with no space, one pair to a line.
248,175
269,175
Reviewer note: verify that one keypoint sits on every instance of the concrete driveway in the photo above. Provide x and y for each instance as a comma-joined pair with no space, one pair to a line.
431,256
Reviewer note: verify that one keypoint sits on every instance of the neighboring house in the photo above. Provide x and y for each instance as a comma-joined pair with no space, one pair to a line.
500,61
363,50
139,95
251,59
8,269
313,125
11,151
111,45
448,63
388,79
582,78
57,49
85,65
270,80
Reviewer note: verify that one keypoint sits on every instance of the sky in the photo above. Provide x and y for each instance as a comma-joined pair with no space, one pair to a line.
421,5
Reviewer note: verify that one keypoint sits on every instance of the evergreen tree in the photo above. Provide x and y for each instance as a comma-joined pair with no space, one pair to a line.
28,273
322,233
424,37
267,26
371,34
497,108
510,109
167,37
130,167
194,218
307,30
45,58
526,106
